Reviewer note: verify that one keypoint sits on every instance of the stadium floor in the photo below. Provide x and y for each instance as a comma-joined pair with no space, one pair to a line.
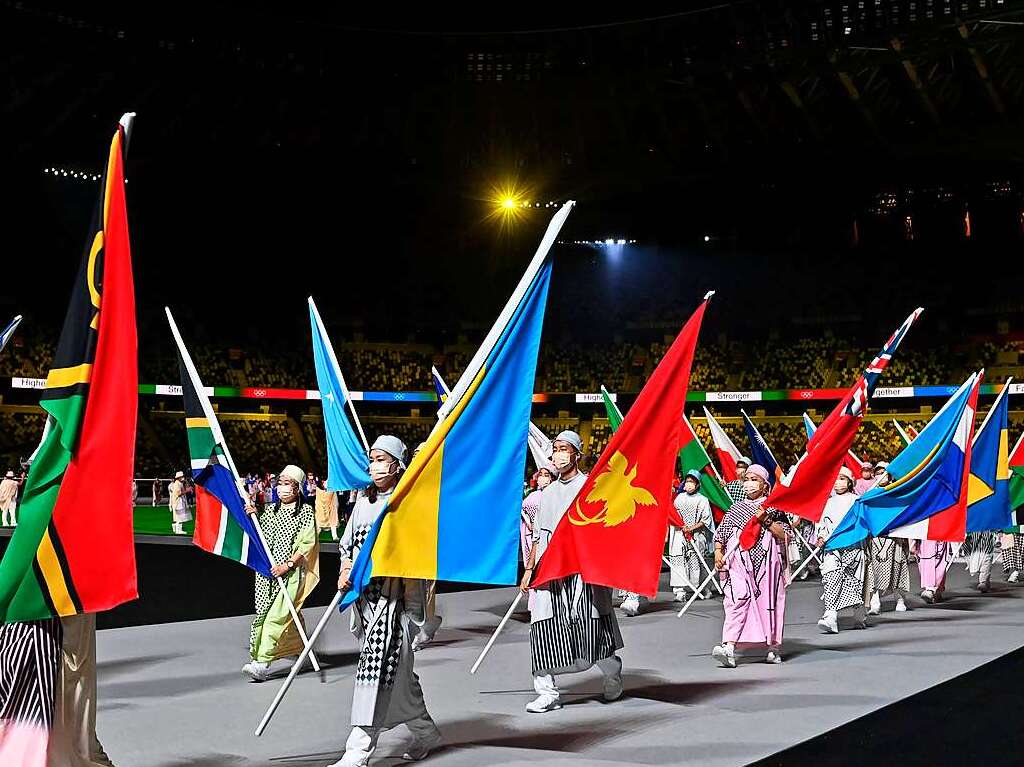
913,686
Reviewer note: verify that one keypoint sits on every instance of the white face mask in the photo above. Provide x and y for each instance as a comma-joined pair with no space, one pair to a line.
561,460
543,481
286,493
841,487
380,470
752,488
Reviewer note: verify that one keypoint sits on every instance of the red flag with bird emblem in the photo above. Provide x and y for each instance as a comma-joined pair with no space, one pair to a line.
613,533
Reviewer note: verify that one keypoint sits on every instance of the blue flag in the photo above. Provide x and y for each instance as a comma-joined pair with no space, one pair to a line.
809,427
988,492
759,450
347,461
927,497
440,387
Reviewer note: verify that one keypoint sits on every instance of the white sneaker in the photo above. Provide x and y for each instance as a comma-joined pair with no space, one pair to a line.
725,655
680,596
829,624
420,748
631,607
1014,577
543,703
875,607
706,594
901,606
928,596
773,657
613,686
257,671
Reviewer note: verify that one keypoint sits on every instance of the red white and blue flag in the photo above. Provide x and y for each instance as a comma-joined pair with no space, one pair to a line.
805,489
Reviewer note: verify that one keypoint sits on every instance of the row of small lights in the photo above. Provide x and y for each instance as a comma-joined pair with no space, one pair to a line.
609,241
509,203
65,173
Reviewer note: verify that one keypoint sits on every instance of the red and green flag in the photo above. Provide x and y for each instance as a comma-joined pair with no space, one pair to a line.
613,533
73,550
692,455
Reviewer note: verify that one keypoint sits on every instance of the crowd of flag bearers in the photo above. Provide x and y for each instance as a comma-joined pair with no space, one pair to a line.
743,528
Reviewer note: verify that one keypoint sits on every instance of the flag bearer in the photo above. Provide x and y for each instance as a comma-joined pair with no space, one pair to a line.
1011,545
842,570
572,623
932,560
889,570
391,623
695,510
750,555
289,527
980,548
735,487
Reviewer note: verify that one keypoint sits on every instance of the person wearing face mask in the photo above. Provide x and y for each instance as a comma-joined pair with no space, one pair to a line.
390,622
842,570
695,511
867,479
735,487
752,578
531,503
289,526
890,561
572,623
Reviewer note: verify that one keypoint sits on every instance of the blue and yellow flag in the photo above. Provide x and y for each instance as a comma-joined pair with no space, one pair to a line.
454,514
988,490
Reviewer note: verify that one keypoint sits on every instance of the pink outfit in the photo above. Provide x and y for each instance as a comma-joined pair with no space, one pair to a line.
932,558
862,485
755,592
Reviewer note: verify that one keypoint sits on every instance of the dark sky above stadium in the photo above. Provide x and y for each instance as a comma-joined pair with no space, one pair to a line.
358,153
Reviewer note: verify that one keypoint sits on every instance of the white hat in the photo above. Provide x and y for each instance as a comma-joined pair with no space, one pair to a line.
180,475
294,473
746,461
570,437
9,474
393,446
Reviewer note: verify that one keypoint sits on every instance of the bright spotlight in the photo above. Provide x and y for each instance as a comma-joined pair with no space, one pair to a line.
707,238
620,242
508,203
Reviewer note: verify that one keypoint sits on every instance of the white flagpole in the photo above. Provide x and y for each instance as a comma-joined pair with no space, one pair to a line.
805,563
9,332
710,462
328,613
807,545
704,564
693,597
471,371
501,625
673,568
218,435
337,369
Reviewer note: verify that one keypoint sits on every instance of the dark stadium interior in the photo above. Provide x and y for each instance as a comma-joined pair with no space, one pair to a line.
825,166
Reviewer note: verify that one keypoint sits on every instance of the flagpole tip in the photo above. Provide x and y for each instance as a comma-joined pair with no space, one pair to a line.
709,294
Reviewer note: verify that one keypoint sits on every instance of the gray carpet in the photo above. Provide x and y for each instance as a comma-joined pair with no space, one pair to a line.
172,695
